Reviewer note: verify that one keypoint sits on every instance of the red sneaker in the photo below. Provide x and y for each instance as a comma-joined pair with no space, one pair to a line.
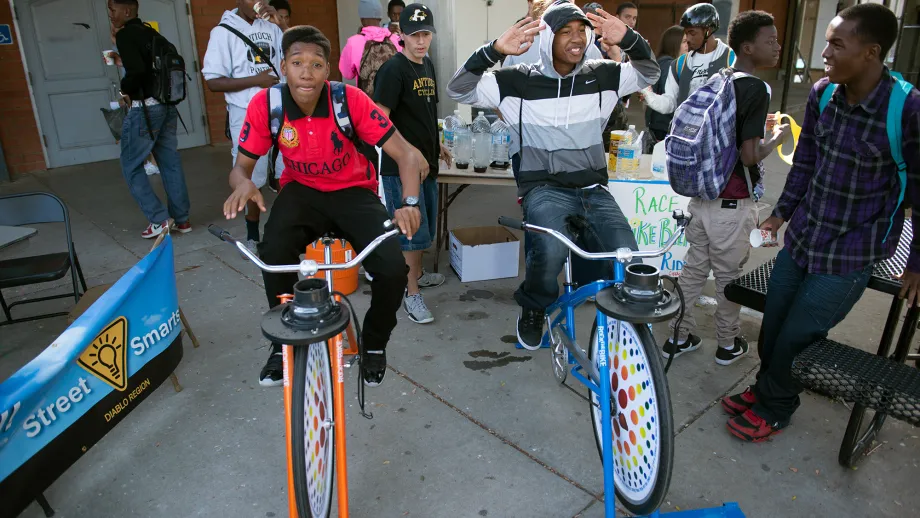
739,403
183,228
154,229
751,427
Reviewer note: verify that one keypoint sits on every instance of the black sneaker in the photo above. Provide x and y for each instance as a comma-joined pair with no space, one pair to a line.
530,328
273,373
692,344
729,356
374,367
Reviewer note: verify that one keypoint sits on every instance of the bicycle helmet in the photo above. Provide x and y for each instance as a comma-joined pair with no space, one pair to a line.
701,15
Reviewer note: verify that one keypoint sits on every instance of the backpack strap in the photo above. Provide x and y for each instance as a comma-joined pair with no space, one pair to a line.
275,111
340,110
681,60
899,92
826,97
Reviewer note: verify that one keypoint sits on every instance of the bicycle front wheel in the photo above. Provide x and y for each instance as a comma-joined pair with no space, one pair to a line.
643,427
312,431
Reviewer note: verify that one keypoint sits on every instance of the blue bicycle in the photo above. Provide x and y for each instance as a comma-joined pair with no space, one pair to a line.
630,403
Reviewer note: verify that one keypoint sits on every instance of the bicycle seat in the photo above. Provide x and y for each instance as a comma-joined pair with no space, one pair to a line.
332,234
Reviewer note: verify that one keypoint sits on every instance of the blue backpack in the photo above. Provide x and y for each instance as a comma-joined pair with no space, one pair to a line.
899,93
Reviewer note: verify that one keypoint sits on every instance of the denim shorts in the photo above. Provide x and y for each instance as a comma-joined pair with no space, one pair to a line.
428,205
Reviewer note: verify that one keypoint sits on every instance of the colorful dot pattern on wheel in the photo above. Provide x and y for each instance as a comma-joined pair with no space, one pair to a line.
635,424
318,440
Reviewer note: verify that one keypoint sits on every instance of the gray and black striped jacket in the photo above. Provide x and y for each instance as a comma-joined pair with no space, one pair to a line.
556,121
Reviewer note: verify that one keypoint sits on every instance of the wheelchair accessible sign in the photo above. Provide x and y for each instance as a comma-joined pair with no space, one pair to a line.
97,371
6,34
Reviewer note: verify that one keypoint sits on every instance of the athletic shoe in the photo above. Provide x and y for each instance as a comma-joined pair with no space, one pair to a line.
374,367
272,374
729,356
183,228
750,427
151,169
693,343
430,280
253,246
530,328
739,403
417,310
154,229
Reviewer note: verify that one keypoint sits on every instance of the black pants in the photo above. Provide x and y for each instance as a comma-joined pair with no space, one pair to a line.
301,215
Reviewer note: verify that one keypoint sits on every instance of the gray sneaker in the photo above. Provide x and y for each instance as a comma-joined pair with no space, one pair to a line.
430,280
417,310
253,246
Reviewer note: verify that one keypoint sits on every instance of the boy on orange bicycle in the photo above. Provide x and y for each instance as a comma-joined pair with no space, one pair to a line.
326,133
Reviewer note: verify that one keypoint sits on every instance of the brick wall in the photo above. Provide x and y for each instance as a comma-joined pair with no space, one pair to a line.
206,15
18,130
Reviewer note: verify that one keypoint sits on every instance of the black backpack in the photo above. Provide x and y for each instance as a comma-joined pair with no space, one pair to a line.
168,71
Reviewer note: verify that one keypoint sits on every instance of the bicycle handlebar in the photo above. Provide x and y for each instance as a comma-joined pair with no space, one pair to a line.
623,255
306,268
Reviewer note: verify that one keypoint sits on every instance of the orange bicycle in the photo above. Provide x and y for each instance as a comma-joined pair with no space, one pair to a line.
310,322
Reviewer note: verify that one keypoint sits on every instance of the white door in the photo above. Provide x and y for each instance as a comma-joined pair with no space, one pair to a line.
63,42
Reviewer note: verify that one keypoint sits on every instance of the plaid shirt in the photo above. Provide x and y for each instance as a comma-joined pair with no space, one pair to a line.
842,191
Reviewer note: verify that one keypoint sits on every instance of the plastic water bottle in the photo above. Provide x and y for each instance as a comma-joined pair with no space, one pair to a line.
628,154
463,147
501,144
451,123
659,162
482,143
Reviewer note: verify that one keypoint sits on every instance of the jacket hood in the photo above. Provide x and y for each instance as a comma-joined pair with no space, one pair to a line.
234,20
557,16
373,33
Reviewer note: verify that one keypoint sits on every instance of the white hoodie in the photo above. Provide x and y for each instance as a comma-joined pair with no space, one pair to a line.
229,56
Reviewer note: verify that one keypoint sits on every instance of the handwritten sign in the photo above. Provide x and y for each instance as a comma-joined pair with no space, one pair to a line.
648,205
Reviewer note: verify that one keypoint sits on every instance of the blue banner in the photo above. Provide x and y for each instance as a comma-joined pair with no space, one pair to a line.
97,371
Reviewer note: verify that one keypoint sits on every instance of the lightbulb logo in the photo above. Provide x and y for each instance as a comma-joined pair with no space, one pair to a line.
107,357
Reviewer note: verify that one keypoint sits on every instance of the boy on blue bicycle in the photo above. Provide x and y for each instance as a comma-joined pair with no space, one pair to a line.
557,125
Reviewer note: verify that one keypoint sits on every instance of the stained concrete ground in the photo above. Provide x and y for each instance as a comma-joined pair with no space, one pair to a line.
465,425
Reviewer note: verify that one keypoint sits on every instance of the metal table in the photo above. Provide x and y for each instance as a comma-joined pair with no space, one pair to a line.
750,290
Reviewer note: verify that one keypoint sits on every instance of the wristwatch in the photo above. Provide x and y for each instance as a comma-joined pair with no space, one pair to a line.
410,201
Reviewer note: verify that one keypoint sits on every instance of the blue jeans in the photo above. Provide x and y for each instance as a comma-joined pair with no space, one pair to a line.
801,308
427,204
552,207
136,146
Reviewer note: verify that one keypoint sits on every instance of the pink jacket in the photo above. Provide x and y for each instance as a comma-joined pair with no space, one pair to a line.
350,60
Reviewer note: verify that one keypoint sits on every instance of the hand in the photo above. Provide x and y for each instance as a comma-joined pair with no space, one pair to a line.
247,191
124,101
773,224
421,163
609,25
641,93
910,288
408,219
516,40
266,79
446,156
267,12
781,132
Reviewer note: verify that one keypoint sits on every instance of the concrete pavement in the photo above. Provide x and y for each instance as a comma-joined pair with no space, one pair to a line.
465,425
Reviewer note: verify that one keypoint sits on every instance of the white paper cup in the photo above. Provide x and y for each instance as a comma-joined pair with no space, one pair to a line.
109,57
761,238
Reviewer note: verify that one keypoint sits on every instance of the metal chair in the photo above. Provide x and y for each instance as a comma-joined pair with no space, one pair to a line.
28,209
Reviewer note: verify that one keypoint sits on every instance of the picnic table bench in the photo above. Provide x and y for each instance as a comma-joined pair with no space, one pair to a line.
880,381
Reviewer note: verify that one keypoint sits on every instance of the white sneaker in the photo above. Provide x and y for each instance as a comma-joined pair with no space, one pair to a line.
417,310
430,280
151,169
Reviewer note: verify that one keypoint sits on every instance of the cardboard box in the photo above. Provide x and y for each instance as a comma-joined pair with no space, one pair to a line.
484,253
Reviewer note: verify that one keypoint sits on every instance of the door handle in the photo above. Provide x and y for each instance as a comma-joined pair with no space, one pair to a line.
84,25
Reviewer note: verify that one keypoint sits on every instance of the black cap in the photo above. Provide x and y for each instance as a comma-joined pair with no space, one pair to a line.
701,15
416,18
561,13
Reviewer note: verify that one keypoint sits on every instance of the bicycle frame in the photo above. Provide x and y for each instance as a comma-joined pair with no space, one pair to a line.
597,381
